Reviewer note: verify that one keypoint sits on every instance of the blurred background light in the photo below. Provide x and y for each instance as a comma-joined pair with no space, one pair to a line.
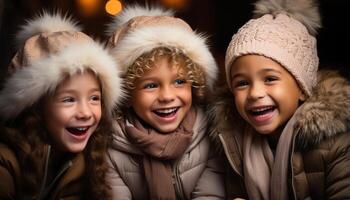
88,7
176,4
113,7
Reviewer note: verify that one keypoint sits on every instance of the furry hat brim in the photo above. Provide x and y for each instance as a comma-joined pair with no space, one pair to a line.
27,85
146,38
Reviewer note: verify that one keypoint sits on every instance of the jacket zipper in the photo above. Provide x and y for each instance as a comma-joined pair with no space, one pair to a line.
177,182
45,190
291,167
228,156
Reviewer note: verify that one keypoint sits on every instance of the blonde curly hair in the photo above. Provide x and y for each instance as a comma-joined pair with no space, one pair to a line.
177,58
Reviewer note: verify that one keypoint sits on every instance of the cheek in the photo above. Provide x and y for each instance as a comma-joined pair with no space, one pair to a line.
98,112
188,95
239,99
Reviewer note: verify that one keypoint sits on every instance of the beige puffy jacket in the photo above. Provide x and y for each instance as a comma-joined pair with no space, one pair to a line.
198,174
319,166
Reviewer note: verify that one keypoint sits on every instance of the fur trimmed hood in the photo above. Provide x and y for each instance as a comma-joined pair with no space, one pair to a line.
149,28
47,58
325,114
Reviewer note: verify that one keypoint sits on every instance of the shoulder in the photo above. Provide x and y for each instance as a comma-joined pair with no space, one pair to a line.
7,155
9,171
326,114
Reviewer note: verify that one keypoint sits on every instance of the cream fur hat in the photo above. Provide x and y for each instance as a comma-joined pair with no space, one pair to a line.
138,30
283,32
50,48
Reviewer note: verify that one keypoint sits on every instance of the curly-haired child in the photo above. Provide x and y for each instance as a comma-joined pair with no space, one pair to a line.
161,148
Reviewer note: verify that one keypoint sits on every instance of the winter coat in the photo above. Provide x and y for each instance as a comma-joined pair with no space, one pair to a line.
319,165
197,174
69,183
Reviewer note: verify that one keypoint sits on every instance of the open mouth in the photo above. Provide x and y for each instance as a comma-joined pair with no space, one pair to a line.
169,112
78,130
262,111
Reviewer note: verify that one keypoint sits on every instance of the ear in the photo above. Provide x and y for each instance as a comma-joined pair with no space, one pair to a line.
302,96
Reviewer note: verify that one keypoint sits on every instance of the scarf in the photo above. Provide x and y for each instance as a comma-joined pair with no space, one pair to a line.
160,149
265,176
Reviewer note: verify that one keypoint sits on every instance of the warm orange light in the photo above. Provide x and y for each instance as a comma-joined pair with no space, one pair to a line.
88,7
113,7
177,4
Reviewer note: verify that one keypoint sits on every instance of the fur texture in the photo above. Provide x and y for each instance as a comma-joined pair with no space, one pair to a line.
46,22
132,11
29,84
147,38
305,11
325,114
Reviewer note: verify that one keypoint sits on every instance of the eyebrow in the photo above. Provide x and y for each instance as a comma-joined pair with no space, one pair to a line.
97,89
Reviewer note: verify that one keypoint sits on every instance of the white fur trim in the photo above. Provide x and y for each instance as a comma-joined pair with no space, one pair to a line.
305,11
27,85
46,22
132,11
145,39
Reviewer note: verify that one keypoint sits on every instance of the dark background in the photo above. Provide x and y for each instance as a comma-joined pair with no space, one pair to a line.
219,19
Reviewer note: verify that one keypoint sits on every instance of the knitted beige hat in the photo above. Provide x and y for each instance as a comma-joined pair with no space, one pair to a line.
50,48
138,30
284,32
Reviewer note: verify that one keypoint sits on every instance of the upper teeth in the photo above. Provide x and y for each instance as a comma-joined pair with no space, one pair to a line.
81,129
165,111
261,109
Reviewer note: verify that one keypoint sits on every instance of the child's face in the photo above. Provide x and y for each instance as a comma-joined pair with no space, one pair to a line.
162,96
73,112
266,95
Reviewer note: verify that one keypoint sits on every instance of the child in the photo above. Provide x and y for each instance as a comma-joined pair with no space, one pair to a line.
287,134
160,148
56,104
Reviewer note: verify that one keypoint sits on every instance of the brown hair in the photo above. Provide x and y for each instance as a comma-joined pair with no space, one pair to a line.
28,137
146,61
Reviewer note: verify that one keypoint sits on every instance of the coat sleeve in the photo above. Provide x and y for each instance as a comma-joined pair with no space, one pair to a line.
120,191
210,185
338,169
8,169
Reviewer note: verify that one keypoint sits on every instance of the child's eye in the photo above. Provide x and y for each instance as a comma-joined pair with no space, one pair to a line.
150,86
95,98
68,99
241,83
180,81
271,79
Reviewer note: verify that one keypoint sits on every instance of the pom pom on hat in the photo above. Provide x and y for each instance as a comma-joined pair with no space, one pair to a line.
46,23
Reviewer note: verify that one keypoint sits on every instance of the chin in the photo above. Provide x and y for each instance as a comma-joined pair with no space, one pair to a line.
77,148
264,130
166,129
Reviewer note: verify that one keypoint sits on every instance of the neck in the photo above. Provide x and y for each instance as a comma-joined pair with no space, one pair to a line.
274,137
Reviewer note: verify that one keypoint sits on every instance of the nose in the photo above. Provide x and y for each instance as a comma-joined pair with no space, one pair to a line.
83,110
256,91
166,94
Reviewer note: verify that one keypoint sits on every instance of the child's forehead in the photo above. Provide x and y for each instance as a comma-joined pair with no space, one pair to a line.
255,63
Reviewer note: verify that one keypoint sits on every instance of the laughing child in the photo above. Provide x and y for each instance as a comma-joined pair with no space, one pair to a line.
161,149
284,126
56,106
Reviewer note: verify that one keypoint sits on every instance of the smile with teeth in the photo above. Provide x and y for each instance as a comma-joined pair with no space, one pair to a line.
168,112
78,130
262,114
261,110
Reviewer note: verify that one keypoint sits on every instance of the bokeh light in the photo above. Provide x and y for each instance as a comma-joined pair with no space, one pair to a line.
113,7
88,7
176,4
